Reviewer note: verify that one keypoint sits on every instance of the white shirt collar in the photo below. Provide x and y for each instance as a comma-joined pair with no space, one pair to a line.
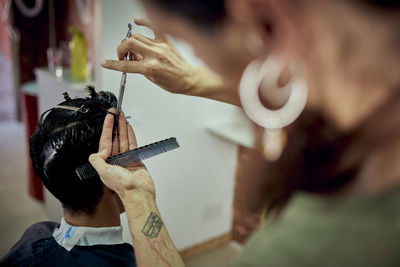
69,236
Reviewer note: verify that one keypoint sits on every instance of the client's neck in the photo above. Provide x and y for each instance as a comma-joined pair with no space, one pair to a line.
106,214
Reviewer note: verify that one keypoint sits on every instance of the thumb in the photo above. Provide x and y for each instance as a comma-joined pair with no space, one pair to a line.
103,154
98,160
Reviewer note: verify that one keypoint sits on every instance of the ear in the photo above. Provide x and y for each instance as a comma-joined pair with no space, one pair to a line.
271,20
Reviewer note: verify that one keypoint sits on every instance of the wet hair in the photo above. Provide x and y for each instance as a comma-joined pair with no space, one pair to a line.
63,141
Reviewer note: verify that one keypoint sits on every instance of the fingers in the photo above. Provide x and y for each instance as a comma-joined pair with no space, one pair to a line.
123,133
146,23
124,137
131,137
133,45
115,143
125,66
98,160
143,39
106,135
101,166
143,22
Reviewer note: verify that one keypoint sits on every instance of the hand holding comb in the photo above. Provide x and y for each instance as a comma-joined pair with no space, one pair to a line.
132,156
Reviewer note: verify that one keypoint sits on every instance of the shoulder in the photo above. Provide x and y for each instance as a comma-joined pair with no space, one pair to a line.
23,248
309,234
42,229
105,255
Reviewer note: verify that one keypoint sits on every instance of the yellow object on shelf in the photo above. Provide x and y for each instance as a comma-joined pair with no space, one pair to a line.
79,55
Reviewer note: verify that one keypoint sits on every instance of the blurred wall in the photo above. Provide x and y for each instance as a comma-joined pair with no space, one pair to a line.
7,97
195,183
5,39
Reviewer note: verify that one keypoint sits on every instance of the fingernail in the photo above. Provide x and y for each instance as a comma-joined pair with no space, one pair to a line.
103,62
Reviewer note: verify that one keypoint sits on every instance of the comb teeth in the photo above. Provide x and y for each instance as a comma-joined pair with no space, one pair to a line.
85,172
127,158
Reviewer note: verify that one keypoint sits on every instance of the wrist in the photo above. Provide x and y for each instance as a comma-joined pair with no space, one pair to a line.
206,83
194,84
199,82
137,196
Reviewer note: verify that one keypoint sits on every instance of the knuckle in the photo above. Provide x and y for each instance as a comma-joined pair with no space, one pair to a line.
131,42
140,171
151,69
164,46
158,51
112,63
124,67
119,50
92,157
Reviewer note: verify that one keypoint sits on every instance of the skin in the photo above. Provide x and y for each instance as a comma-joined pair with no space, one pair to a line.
351,58
160,62
107,213
337,43
135,187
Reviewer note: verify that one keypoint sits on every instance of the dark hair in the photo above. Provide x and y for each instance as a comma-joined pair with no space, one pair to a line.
203,13
63,141
208,13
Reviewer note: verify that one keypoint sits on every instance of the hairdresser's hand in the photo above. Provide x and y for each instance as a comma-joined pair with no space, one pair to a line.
121,180
160,62
153,246
157,59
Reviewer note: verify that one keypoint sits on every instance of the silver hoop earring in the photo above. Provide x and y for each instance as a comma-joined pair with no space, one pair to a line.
273,121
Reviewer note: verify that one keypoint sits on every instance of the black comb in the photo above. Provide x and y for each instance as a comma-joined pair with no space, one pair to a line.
128,158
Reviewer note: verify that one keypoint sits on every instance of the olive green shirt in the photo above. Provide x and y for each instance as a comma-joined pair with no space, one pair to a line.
313,231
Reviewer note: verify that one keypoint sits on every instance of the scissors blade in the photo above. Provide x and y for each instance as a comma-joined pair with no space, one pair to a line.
123,78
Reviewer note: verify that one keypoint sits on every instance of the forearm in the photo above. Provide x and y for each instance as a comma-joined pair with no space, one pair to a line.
210,85
152,243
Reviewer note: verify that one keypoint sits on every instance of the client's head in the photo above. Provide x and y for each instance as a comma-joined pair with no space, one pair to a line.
63,141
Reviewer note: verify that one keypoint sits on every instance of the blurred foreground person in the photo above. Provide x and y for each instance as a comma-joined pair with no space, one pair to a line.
90,234
321,78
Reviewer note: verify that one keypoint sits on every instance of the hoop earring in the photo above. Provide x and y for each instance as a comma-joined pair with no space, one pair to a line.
273,121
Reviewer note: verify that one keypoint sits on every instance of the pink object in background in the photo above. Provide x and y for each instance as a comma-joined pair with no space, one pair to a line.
5,38
30,119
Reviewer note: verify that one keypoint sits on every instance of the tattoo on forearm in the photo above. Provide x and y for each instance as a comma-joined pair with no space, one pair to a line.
153,226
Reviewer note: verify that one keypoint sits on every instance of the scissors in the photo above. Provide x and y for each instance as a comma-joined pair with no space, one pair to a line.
123,78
